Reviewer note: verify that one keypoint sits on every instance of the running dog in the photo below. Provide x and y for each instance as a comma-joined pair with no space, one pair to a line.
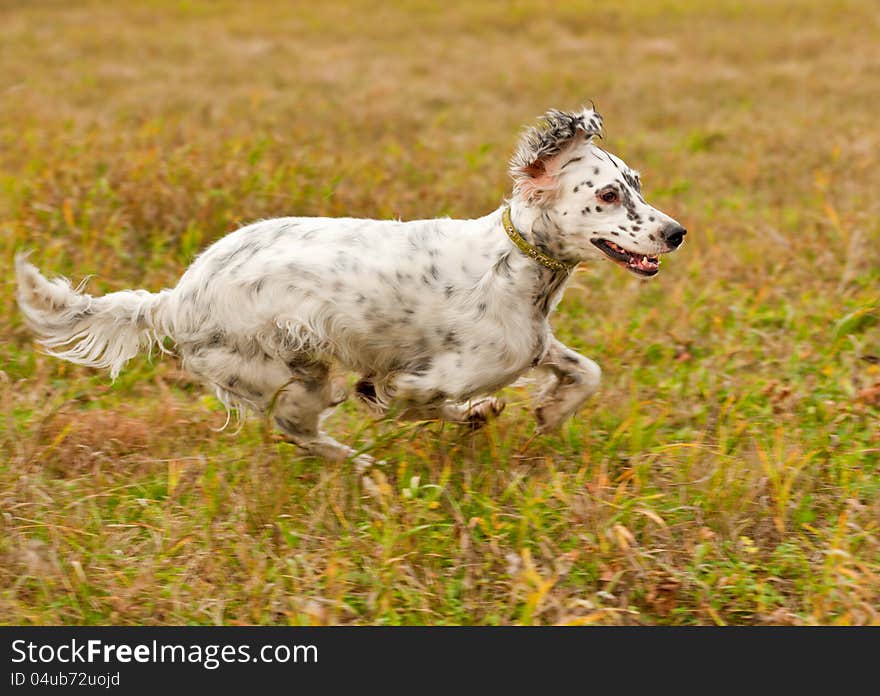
434,315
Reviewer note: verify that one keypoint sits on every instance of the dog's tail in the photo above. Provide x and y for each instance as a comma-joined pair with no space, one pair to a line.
101,332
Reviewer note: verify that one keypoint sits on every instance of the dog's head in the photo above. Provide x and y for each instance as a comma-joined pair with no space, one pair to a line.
592,199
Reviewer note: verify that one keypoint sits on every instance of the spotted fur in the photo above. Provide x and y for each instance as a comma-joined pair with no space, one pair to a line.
435,315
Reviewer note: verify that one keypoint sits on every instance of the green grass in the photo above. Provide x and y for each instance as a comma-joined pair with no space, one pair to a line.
726,474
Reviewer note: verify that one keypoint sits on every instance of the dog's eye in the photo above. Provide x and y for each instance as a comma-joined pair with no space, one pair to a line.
609,196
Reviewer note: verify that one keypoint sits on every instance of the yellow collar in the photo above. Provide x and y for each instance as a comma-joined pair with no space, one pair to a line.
528,249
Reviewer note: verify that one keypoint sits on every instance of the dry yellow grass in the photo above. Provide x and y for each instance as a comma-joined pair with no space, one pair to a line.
728,471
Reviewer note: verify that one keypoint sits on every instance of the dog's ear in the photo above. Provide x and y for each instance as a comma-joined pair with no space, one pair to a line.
534,166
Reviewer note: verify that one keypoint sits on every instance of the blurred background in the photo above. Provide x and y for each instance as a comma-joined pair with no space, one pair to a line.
726,474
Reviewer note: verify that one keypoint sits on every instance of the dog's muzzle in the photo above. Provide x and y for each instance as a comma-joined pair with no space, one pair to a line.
673,234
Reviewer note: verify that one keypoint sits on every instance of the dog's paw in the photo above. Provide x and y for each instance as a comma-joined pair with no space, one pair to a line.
364,462
549,419
483,411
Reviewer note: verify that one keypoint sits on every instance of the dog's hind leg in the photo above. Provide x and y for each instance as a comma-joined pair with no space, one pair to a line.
296,394
573,380
299,406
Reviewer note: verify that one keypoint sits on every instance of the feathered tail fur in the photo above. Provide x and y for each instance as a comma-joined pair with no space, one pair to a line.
102,332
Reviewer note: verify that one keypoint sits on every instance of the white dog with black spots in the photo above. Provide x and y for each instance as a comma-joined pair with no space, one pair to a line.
434,315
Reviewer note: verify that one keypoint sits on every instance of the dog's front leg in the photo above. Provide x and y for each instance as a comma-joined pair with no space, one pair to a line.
573,380
422,396
473,414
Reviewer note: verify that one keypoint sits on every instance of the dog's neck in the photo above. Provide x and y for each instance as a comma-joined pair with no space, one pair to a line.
537,227
531,279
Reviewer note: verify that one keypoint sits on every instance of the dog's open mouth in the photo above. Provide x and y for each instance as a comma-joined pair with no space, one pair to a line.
637,263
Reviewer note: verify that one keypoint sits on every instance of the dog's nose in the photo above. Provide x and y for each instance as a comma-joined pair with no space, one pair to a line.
673,234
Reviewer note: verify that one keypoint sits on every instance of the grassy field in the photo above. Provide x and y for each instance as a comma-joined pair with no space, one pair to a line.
726,474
